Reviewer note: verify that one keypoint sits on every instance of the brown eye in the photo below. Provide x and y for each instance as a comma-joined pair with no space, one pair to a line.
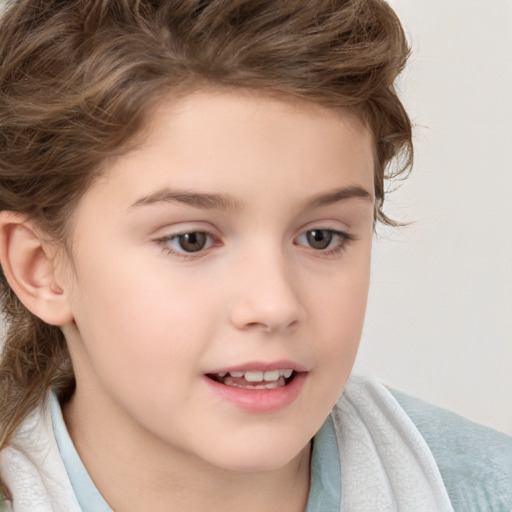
319,238
192,242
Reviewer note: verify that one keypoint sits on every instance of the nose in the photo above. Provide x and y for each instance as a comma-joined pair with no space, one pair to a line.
267,297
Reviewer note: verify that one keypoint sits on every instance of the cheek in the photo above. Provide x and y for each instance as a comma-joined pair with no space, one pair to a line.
140,321
344,295
340,311
336,332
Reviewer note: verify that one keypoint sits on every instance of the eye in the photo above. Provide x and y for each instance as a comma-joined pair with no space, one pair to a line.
191,242
186,243
319,238
326,240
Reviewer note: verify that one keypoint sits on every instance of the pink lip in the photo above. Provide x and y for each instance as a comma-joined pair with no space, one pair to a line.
259,400
262,366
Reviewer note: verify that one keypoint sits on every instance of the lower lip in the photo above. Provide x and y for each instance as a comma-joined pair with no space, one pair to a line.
259,400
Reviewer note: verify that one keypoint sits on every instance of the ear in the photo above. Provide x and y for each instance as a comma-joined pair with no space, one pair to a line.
29,264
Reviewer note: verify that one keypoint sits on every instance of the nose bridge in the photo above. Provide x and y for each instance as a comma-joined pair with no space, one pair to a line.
267,294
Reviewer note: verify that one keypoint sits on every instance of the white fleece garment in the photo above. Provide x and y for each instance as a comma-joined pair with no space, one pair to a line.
386,465
33,471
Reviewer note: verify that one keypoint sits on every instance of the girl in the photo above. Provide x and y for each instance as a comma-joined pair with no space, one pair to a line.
188,196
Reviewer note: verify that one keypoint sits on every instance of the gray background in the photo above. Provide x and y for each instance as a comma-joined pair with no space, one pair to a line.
439,321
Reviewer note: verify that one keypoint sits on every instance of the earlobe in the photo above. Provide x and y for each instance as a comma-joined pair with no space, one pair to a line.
30,269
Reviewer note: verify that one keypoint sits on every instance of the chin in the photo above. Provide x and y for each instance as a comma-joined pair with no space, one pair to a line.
261,458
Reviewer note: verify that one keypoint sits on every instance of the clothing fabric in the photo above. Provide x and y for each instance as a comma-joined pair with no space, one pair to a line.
386,465
474,461
378,451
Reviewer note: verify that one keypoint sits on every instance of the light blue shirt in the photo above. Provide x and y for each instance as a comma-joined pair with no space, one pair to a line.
325,482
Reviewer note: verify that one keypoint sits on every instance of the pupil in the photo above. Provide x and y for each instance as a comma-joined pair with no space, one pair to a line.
192,242
319,238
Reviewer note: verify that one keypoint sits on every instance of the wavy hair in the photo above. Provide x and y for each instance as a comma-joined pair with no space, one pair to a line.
78,78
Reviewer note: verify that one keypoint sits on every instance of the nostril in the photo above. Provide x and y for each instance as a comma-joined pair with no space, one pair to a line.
270,328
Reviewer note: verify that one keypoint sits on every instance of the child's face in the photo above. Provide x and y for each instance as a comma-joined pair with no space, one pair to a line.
237,238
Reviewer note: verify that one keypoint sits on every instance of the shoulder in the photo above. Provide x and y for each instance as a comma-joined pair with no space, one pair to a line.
475,461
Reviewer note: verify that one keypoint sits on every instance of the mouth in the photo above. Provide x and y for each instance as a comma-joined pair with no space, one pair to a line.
255,379
259,387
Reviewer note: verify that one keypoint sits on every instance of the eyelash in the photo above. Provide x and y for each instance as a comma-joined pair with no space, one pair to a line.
341,238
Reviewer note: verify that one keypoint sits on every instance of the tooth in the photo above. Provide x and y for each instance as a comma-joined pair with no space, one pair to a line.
253,376
222,374
236,374
271,375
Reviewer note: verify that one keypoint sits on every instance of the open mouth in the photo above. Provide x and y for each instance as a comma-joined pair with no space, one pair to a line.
271,379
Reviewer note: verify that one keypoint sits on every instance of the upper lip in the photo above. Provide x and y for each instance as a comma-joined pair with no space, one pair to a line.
261,366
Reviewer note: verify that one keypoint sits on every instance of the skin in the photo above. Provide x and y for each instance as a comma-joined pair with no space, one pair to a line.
151,319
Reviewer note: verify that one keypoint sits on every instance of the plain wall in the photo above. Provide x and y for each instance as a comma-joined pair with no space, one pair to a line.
439,321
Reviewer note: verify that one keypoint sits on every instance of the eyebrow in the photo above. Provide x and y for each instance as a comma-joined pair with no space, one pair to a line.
209,201
341,194
195,199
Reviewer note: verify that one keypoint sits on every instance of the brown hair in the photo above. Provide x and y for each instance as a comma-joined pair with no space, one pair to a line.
78,77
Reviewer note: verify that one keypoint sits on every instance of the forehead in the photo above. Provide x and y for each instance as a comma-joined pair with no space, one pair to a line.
242,141
264,112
